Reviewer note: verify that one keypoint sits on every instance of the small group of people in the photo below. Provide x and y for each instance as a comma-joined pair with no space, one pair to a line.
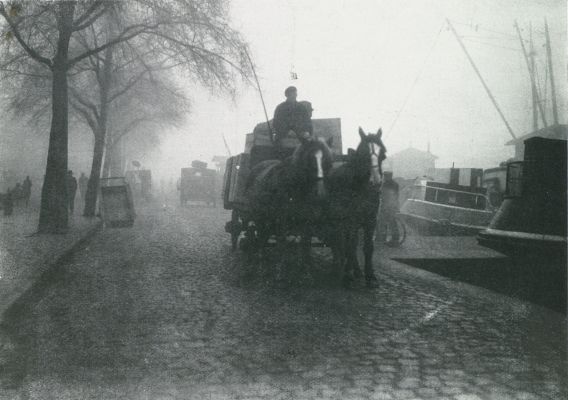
21,193
18,195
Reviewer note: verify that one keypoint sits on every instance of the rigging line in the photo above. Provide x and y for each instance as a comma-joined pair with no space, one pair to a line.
545,85
416,79
539,85
226,145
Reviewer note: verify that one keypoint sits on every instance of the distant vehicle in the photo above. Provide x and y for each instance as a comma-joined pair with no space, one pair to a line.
459,206
532,217
198,184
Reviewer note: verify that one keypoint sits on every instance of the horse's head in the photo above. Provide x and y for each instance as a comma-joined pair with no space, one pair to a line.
370,155
312,162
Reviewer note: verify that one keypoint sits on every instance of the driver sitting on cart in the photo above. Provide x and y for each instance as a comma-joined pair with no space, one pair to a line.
292,119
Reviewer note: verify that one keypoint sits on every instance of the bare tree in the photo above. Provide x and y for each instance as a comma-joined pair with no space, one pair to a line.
193,34
131,94
116,85
152,105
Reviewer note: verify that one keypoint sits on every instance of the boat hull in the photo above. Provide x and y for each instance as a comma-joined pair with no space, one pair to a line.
529,226
520,245
434,219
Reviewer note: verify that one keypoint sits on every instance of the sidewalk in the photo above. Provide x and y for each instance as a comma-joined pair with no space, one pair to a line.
25,256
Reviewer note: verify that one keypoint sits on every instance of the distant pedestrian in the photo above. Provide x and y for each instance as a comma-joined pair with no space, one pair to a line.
389,209
71,191
83,184
17,194
27,190
8,203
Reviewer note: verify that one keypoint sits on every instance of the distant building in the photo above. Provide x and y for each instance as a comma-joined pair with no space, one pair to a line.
559,131
411,163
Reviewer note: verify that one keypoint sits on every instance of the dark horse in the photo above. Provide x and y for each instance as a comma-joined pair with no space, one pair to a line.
353,204
284,196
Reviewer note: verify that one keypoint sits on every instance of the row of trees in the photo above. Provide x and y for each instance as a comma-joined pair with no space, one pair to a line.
109,65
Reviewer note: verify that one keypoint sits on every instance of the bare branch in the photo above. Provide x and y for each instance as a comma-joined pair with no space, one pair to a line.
33,54
194,49
85,114
136,29
91,20
84,102
128,86
83,21
19,72
128,129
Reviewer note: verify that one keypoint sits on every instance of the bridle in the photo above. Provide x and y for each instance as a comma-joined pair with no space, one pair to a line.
374,153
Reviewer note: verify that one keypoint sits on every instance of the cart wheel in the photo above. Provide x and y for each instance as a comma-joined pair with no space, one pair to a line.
249,242
235,229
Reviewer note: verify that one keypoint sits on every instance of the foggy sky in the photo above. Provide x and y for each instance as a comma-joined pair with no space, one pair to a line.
358,60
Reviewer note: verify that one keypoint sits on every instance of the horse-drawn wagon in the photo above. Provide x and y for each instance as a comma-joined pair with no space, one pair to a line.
317,192
198,184
259,149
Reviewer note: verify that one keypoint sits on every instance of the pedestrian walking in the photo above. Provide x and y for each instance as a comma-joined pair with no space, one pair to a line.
17,194
389,209
83,184
8,203
71,191
27,190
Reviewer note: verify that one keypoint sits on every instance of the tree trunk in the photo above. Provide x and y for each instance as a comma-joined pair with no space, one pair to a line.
113,159
106,163
116,161
93,187
100,137
53,217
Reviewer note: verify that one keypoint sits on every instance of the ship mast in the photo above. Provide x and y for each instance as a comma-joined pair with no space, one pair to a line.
531,74
551,73
481,79
533,88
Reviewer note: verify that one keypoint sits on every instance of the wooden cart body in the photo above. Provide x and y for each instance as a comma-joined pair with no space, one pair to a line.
258,148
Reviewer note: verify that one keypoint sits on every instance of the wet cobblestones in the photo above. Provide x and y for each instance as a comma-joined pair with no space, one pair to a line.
166,311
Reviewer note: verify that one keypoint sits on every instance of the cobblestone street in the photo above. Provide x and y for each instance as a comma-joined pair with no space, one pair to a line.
166,310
